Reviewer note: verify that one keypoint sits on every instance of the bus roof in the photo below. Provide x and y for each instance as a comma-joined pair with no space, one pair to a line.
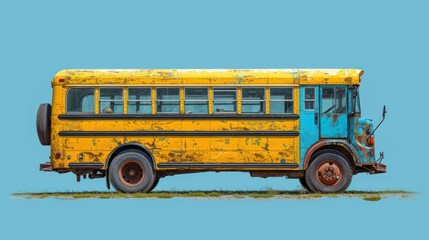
207,76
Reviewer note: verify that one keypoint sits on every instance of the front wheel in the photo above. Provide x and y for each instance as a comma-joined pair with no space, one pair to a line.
329,172
304,184
131,171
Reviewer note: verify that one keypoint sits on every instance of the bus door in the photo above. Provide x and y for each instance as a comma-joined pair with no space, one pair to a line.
308,118
333,112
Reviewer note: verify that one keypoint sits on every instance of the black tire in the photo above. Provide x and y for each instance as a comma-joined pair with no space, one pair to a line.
304,184
43,124
155,183
329,172
132,171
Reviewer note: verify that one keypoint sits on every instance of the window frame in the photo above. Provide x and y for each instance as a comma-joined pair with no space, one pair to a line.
206,101
139,101
67,97
235,101
283,100
264,100
156,101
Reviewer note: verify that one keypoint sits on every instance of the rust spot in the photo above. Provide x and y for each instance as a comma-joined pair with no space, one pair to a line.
176,155
283,154
116,141
157,128
93,156
259,156
172,156
257,142
195,157
153,145
266,147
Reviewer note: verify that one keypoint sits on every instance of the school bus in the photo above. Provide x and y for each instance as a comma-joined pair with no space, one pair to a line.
134,127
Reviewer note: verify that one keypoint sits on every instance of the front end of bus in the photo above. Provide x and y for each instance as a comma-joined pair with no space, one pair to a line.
361,136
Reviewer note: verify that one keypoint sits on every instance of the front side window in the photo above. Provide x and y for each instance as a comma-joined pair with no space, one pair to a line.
333,100
309,98
80,100
196,100
111,101
253,100
224,100
281,100
168,100
139,101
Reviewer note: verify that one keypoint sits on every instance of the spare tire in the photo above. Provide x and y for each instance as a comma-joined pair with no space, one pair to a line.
43,123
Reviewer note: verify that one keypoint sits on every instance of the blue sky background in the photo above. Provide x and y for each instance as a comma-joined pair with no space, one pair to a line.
388,39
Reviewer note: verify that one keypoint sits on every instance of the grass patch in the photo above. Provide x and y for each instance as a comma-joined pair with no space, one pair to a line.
266,194
372,198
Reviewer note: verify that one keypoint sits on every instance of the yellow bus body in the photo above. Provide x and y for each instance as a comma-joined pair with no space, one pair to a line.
187,149
177,139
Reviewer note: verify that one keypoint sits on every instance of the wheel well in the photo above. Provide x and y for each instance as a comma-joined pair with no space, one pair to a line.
349,156
122,148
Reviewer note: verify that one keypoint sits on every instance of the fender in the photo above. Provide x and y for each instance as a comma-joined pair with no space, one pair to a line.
331,142
123,147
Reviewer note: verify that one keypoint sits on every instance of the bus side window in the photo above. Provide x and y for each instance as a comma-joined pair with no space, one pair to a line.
168,100
281,100
253,100
111,100
139,101
80,100
196,100
309,98
224,100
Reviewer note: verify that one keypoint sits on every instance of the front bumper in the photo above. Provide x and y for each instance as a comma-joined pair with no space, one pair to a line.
373,168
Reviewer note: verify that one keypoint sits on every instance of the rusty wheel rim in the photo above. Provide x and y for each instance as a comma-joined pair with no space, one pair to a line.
131,173
329,173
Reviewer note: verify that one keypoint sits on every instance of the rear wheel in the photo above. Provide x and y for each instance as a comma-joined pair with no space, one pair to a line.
329,172
155,183
131,171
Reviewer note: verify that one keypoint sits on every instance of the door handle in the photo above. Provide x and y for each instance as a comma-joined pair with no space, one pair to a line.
316,118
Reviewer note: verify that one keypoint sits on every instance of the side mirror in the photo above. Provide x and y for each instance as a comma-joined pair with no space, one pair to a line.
384,115
384,111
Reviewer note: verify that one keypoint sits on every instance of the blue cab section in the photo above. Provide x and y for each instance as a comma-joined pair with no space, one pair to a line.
333,113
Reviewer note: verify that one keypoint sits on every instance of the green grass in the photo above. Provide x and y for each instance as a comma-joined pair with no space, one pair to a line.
267,194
